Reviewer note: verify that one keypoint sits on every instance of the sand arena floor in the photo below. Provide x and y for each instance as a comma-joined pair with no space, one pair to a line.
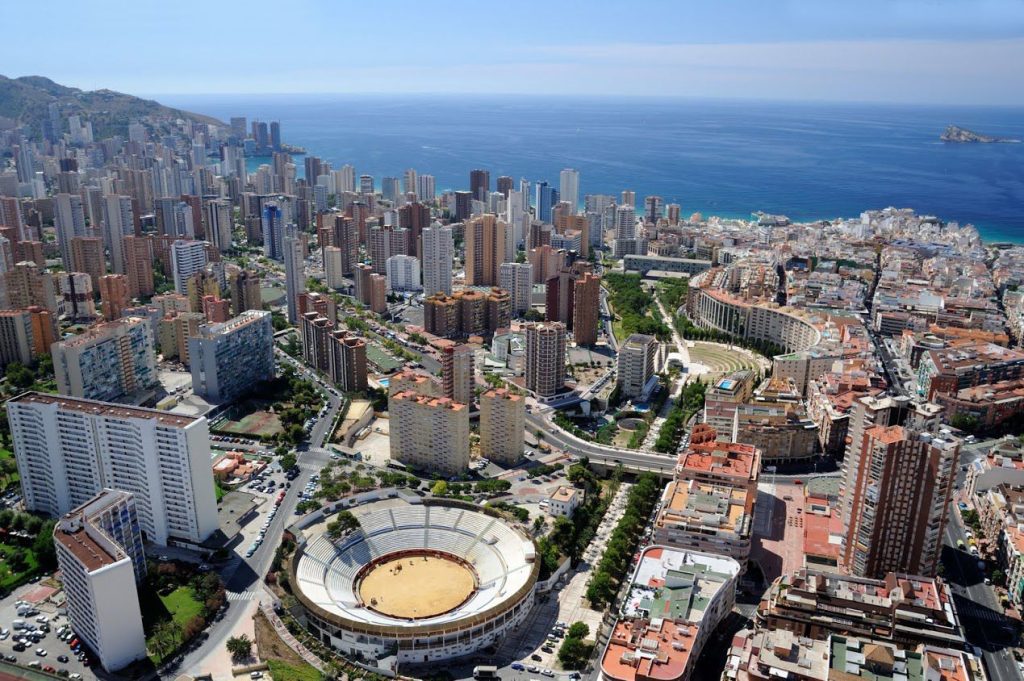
415,587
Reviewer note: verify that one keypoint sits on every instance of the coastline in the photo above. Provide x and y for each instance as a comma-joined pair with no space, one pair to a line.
800,160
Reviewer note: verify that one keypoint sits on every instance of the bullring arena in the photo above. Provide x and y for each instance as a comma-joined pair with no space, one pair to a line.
417,582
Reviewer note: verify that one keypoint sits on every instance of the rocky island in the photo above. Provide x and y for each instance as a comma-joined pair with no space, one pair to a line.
961,135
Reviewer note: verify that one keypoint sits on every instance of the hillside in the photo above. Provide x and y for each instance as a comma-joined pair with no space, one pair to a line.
25,100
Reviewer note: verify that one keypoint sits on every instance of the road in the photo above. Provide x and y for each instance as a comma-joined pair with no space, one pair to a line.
243,576
981,615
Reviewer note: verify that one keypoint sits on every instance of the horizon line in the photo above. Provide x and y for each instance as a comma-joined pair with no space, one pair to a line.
570,96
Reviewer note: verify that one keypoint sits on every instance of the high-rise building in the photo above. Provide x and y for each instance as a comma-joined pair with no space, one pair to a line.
187,258
229,358
69,219
118,222
900,468
505,185
458,373
100,555
273,231
29,284
384,242
636,364
546,198
215,309
366,184
414,217
76,298
346,237
333,267
68,450
16,337
378,293
87,257
466,313
294,275
569,188
429,433
654,208
517,279
275,135
438,251
463,206
244,289
347,361
479,184
586,308
220,219
425,190
486,241
502,423
113,295
403,272
111,361
138,259
545,358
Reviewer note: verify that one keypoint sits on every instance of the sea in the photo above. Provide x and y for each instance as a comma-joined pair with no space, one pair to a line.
718,157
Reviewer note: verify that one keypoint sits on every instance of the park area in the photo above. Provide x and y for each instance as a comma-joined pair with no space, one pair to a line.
712,361
252,417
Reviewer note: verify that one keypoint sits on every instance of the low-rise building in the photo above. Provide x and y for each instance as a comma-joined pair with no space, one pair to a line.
902,608
564,501
675,600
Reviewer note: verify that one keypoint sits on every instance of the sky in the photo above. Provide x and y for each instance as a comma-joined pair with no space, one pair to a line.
906,51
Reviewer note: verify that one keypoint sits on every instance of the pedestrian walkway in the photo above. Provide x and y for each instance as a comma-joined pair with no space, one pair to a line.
290,640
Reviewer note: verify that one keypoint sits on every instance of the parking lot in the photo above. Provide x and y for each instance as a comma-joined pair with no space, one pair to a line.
37,632
268,488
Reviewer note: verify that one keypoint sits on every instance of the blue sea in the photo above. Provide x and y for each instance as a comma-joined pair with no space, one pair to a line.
729,158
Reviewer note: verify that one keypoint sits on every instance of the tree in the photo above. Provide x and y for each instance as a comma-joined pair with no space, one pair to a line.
439,489
240,647
574,653
578,630
601,589
563,535
287,461
342,524
19,375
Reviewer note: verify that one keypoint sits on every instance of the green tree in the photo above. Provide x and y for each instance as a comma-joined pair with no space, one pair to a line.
287,461
601,589
240,647
578,630
342,524
574,653
439,489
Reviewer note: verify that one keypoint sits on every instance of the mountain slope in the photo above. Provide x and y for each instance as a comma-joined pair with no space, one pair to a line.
25,100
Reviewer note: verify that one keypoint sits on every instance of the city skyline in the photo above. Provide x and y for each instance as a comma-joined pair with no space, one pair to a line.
789,51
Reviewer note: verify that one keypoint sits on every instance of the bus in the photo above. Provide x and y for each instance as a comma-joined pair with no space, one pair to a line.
485,671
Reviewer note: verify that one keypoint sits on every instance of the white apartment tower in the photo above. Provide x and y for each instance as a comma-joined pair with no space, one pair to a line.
187,258
636,364
569,188
334,267
68,450
403,273
99,550
438,252
118,222
69,219
517,279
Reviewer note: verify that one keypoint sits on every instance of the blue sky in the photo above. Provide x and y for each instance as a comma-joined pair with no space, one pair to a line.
927,51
